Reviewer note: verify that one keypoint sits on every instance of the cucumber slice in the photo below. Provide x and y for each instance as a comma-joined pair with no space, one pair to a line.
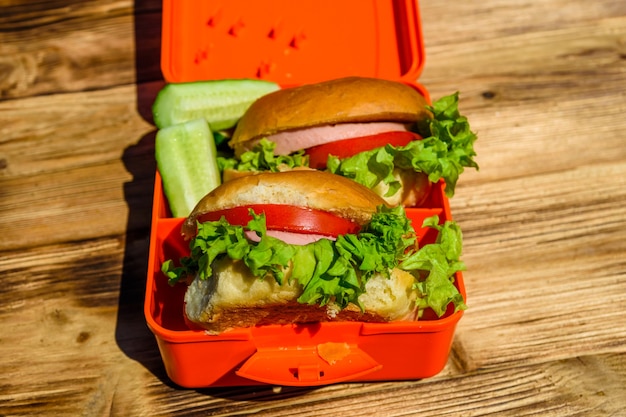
187,161
220,102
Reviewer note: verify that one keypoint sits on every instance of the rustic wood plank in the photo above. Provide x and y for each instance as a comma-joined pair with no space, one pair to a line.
545,272
73,325
565,388
111,122
61,46
116,370
535,95
544,221
480,343
474,21
68,180
546,208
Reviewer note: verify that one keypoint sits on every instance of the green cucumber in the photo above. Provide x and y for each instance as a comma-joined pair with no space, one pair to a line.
187,161
220,102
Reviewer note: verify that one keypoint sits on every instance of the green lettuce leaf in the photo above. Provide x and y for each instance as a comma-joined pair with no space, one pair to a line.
263,158
447,148
439,261
333,271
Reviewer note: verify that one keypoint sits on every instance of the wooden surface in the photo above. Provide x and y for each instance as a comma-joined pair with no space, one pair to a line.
543,83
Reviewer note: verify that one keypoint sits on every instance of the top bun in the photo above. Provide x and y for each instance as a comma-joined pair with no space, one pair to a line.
343,100
303,188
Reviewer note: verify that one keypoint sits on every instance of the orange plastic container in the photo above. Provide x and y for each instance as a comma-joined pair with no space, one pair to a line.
291,43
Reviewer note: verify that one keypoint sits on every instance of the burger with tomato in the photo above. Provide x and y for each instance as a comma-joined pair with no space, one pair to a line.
381,133
309,246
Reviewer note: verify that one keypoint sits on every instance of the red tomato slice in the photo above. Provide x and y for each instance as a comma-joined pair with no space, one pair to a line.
318,155
287,218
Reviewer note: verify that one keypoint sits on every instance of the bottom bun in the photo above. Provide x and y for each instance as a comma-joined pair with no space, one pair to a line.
233,297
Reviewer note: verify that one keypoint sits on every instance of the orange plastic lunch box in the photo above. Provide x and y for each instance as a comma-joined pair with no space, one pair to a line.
291,43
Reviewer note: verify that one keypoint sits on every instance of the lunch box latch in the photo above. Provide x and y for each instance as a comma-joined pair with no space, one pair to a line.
304,366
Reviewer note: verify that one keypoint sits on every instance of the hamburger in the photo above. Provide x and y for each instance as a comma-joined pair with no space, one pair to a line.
310,246
381,133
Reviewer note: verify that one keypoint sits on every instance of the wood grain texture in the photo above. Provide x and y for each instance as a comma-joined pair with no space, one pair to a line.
63,46
78,171
544,86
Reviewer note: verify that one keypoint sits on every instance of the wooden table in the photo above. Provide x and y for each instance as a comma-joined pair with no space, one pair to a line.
544,220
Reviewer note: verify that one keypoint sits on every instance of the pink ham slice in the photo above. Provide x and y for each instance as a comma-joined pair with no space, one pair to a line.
294,140
290,237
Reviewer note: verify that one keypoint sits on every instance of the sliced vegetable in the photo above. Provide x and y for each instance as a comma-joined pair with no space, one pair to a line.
287,218
446,149
220,102
318,155
262,158
186,159
334,270
441,260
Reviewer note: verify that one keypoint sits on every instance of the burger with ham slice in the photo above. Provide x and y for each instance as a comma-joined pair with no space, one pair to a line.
381,133
310,246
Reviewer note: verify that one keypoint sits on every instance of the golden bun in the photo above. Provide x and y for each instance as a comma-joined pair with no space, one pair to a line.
303,188
234,297
343,100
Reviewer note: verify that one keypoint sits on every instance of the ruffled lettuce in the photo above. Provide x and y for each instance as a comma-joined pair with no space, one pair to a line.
262,158
335,271
441,260
447,148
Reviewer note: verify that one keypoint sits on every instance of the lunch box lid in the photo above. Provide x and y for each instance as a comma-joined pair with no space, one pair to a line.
291,42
